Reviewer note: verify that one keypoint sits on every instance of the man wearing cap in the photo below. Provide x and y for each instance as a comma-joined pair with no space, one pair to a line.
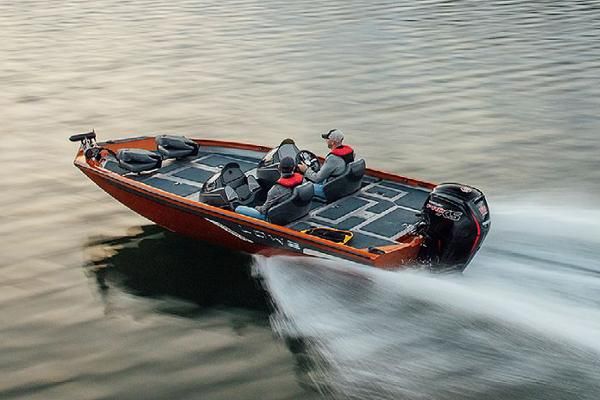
279,192
335,162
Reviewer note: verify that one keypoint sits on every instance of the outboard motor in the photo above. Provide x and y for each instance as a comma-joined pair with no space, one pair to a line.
455,221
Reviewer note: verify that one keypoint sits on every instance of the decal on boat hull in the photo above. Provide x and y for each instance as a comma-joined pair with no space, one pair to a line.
254,235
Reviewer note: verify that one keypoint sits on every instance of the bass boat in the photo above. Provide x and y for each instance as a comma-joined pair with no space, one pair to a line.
192,186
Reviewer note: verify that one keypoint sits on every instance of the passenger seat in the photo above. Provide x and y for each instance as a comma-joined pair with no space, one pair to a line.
293,208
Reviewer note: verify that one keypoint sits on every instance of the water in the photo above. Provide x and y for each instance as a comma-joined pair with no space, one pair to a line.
98,303
523,323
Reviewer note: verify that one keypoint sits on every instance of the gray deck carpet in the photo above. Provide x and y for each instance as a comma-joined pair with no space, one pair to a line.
194,174
342,207
383,191
367,180
381,206
300,226
180,189
172,166
415,198
349,223
316,204
113,166
217,160
391,223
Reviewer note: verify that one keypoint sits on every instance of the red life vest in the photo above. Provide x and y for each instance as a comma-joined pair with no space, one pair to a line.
345,152
292,181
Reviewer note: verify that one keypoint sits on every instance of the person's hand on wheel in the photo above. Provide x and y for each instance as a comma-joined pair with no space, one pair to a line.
307,160
302,167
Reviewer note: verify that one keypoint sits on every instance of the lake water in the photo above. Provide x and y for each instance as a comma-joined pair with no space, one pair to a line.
98,303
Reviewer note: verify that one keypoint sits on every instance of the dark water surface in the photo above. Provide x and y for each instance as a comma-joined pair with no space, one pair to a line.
97,303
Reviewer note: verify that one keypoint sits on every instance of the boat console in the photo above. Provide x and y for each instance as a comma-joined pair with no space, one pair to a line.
267,171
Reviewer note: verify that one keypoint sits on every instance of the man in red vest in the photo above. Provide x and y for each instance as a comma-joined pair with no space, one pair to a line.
335,162
281,191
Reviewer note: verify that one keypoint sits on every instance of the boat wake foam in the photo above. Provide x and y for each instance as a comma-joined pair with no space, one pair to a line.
524,318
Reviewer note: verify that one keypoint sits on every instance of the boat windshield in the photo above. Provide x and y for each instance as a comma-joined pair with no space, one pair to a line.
270,157
211,183
278,153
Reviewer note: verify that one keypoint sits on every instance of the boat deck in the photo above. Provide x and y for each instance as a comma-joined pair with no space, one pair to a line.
379,213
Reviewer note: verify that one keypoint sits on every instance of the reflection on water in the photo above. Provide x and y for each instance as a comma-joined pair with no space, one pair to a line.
503,95
161,265
158,263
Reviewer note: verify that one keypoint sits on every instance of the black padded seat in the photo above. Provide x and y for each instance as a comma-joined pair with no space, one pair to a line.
244,186
347,183
228,186
293,208
138,160
171,146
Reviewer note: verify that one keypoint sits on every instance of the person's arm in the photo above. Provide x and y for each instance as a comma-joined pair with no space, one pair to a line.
325,172
274,196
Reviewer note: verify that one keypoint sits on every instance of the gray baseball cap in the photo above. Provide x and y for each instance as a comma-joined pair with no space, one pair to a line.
335,135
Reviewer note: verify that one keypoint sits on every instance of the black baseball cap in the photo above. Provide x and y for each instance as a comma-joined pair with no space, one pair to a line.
287,166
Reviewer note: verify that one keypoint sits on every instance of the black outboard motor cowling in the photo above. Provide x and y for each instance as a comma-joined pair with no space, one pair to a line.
456,220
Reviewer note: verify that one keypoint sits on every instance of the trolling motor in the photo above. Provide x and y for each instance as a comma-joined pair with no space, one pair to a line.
88,142
455,220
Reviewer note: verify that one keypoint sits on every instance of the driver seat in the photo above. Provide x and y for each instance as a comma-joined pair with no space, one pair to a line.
293,208
346,183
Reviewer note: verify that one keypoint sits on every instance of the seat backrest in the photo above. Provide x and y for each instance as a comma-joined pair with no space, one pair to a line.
294,207
304,194
347,183
234,177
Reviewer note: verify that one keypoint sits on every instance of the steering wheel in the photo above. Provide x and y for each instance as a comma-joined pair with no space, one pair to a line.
309,159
